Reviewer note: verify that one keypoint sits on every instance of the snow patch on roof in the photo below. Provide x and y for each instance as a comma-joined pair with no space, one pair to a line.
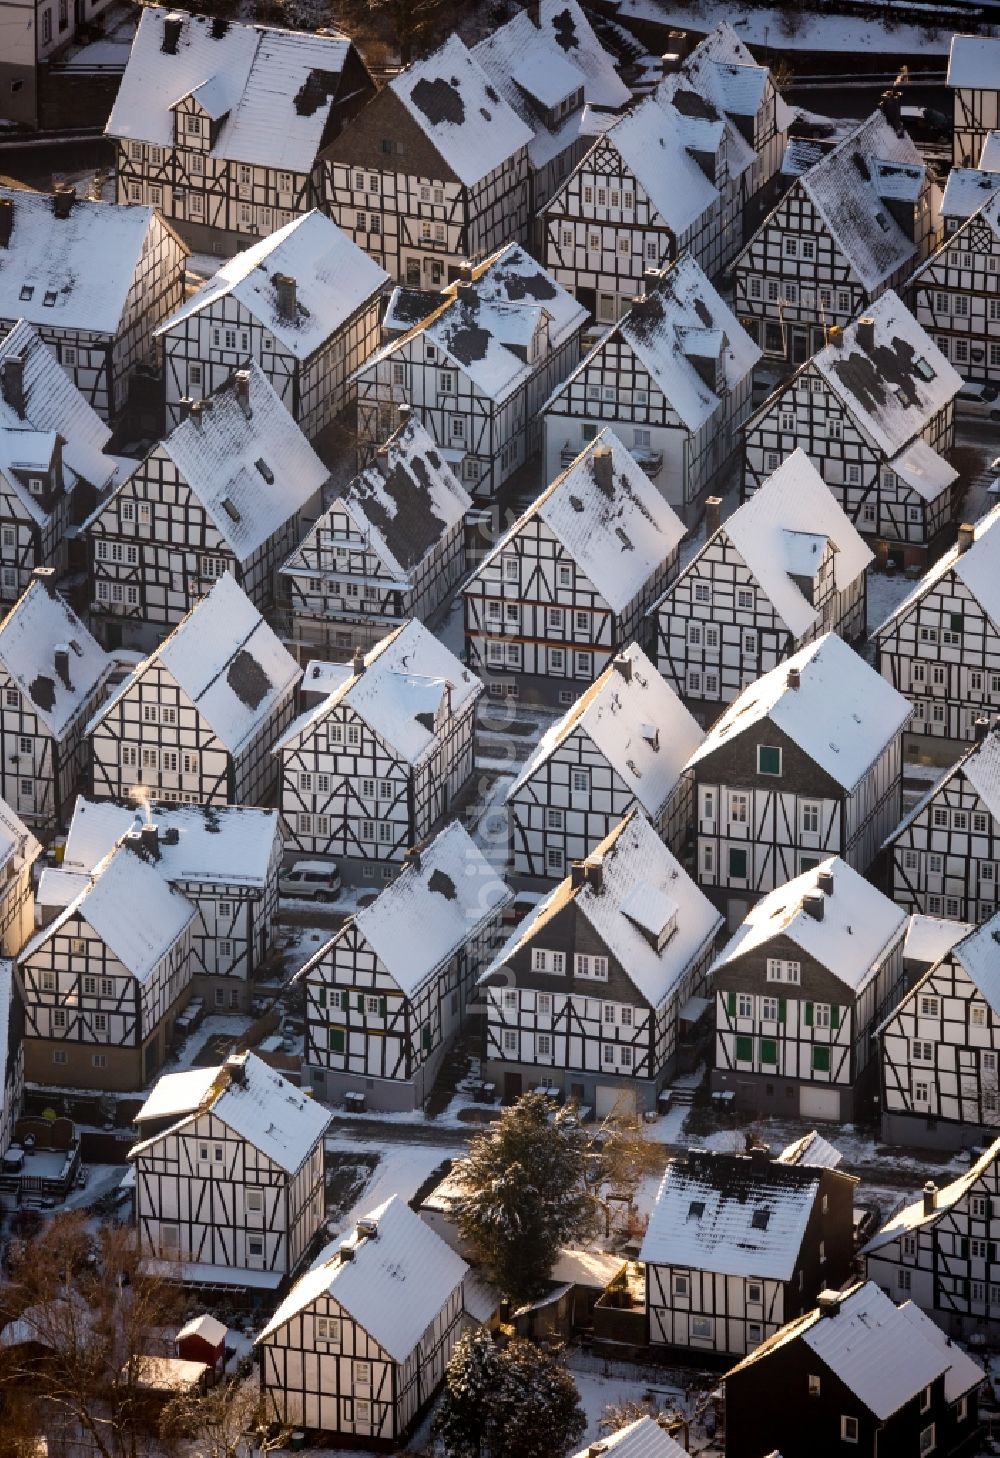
51,657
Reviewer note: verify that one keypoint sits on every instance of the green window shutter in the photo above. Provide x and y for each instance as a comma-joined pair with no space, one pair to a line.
768,760
737,862
769,1051
834,1016
731,1003
963,1247
361,1002
425,1038
808,1014
590,432
821,1060
381,1007
991,1251
957,622
336,1040
782,1009
965,1288
744,1050
321,997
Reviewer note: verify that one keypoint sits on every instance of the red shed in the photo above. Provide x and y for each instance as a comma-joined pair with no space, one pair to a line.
203,1339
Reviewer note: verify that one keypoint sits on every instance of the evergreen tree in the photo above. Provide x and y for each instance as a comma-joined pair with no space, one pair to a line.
524,1196
511,1401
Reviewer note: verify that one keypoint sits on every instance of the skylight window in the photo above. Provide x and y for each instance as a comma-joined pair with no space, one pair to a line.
50,298
265,470
760,1219
27,290
230,510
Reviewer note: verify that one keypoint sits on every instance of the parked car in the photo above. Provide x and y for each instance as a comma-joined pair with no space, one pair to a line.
981,400
310,881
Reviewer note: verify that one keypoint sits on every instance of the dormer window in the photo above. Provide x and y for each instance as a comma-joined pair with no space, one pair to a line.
36,485
193,124
26,292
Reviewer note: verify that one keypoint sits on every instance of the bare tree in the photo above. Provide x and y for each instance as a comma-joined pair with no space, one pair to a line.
228,1421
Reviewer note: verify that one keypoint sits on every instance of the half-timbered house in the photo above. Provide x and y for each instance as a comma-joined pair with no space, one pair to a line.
53,458
737,1244
478,368
967,188
38,31
224,858
19,850
590,994
643,1438
52,677
638,199
11,1053
974,79
624,742
856,1374
433,171
944,858
569,584
940,1250
940,1046
392,547
198,719
223,493
941,645
229,1175
105,981
386,996
303,303
673,378
799,992
220,123
95,280
552,70
852,225
956,294
360,1344
875,412
374,767
805,764
786,567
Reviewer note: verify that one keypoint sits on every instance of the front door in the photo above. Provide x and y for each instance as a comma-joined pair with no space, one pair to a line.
512,1087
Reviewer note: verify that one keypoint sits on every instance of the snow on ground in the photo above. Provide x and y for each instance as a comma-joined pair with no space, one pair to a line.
220,1026
401,1170
817,32
886,591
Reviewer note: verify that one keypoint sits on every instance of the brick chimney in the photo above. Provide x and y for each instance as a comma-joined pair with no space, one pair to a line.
930,1197
172,26
793,678
358,663
47,577
6,220
713,516
284,288
241,385
623,665
824,881
965,539
864,333
12,383
63,199
814,905
603,468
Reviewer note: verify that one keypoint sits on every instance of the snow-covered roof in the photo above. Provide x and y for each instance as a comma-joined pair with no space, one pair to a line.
485,326
73,272
929,938
247,462
635,720
979,955
977,567
51,657
989,155
227,661
131,908
609,518
886,1354
839,711
642,1439
855,927
666,331
648,141
430,911
632,890
894,386
457,107
812,1151
333,278
175,1094
53,406
849,188
722,71
974,62
208,1327
231,844
407,680
393,1283
403,504
270,90
732,1214
18,845
254,1101
916,1214
782,533
923,470
967,189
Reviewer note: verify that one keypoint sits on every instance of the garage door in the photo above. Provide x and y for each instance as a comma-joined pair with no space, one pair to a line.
819,1103
610,1099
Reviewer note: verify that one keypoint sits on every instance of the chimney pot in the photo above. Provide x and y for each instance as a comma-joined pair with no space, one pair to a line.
185,406
713,515
285,290
930,1197
603,468
813,904
793,678
966,537
12,383
864,333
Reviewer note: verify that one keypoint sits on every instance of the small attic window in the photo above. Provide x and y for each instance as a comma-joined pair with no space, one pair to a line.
882,221
265,470
50,298
923,368
760,1219
27,290
230,510
74,644
696,1209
